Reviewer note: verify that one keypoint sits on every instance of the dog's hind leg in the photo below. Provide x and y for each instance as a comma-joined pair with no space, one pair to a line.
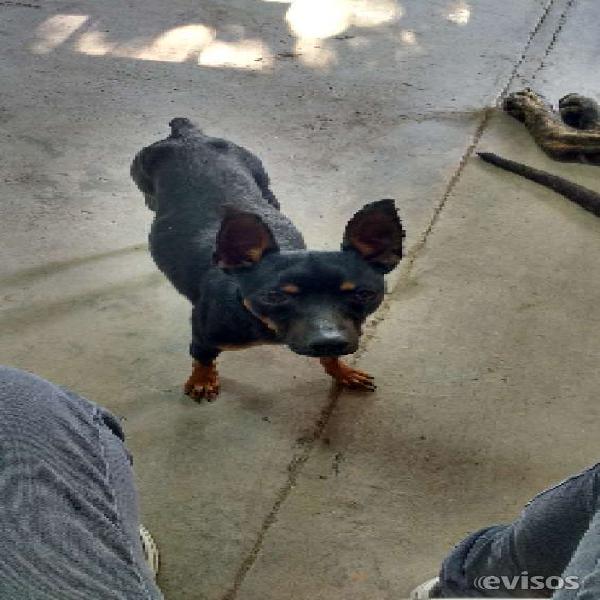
255,166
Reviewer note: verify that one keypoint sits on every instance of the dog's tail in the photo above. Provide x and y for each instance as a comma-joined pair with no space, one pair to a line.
181,127
582,196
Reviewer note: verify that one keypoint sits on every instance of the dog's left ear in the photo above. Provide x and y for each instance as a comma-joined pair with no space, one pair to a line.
242,240
376,233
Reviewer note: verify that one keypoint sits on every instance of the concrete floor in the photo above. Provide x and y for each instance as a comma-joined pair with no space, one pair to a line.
486,350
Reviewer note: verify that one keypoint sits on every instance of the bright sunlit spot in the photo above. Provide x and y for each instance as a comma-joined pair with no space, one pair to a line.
370,13
93,43
245,54
314,19
179,44
55,31
459,13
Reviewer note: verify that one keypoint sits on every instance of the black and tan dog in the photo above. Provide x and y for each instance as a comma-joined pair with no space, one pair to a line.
571,134
221,240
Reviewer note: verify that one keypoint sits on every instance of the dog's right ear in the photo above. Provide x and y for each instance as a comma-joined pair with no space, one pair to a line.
242,241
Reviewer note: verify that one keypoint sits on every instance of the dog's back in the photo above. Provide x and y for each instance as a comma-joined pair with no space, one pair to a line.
191,180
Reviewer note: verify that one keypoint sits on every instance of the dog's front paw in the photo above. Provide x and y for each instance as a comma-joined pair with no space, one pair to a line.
203,383
347,375
520,103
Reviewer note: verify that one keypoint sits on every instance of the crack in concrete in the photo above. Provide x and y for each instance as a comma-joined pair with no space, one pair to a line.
561,22
416,249
515,71
298,461
294,468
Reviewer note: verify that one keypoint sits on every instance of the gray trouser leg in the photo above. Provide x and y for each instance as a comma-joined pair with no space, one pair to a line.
584,567
68,510
540,543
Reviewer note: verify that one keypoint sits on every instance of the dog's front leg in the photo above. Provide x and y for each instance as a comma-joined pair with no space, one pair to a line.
347,375
203,383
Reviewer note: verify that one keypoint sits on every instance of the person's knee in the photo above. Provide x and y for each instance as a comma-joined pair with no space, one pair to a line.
30,404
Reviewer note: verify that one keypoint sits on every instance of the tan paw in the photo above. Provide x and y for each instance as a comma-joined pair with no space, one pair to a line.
203,383
347,375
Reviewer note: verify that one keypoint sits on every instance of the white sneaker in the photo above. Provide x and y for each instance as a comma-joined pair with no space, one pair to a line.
423,591
150,550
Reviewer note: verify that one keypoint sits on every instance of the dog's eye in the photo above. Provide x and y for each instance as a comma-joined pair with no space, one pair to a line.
363,296
274,297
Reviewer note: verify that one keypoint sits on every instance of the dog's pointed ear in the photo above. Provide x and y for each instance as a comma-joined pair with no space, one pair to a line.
376,233
242,241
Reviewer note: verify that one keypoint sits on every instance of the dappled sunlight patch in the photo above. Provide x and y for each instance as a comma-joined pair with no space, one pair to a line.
93,43
194,42
55,31
311,21
409,48
178,44
320,19
371,13
459,13
245,54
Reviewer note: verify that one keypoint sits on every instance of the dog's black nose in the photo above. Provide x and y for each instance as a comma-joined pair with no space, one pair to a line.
330,344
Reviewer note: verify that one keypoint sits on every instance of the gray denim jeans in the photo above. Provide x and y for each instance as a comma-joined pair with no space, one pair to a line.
551,550
68,508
